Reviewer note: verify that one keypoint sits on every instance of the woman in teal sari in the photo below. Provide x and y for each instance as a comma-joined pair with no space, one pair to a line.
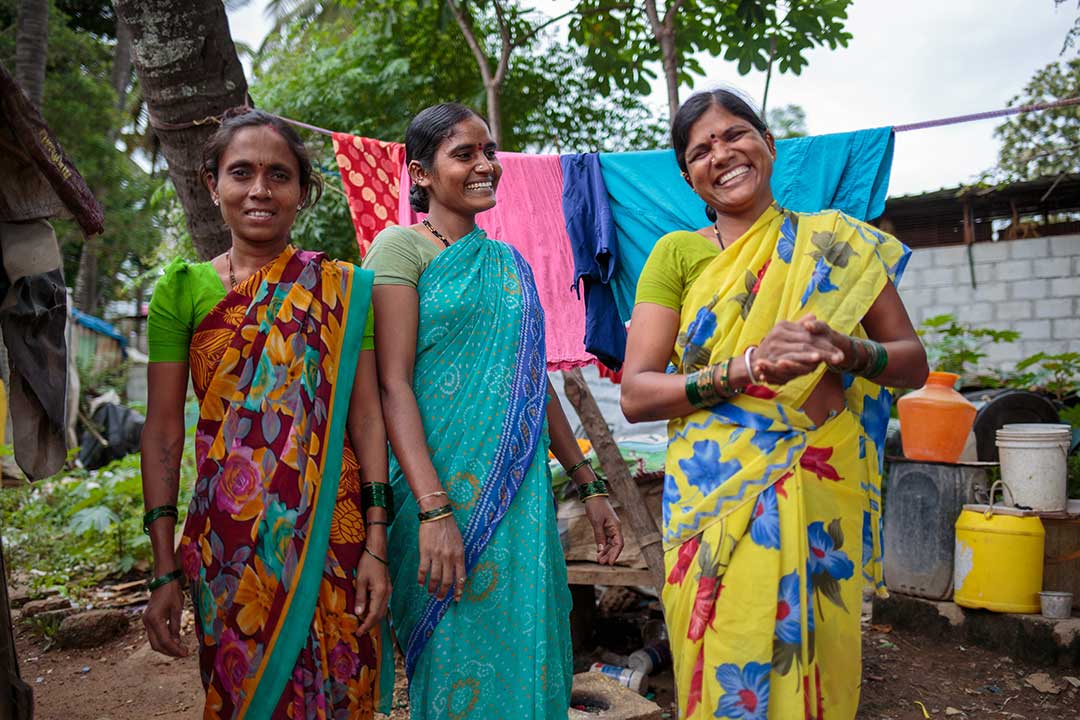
480,604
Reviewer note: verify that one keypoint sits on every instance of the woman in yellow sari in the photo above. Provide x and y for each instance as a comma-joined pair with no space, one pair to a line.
768,339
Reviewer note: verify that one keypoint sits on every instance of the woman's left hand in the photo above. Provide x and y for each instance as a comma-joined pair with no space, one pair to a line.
606,528
372,591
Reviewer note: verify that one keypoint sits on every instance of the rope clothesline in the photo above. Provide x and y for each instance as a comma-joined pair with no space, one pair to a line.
925,124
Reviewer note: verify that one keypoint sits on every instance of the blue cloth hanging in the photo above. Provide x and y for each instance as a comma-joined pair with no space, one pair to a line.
649,198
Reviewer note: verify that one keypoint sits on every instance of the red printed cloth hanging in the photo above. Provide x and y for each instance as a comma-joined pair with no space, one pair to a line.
370,172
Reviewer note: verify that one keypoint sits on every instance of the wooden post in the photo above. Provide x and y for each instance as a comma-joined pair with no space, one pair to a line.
640,522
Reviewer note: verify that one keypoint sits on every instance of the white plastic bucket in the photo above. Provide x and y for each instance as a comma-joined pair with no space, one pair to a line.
1033,464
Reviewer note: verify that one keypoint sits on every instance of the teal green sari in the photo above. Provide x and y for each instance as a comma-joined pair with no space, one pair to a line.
503,651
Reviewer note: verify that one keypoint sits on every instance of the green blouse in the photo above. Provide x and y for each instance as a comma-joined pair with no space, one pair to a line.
182,299
674,264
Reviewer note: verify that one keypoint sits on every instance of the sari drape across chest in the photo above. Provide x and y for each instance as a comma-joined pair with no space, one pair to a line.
767,516
479,379
274,532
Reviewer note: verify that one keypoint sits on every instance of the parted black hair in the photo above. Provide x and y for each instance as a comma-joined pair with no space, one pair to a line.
425,133
236,119
696,106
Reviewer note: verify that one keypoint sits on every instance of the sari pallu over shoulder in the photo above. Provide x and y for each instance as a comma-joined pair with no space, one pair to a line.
480,386
269,449
786,266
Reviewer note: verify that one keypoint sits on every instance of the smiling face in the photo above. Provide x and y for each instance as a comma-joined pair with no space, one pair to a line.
729,164
464,173
258,186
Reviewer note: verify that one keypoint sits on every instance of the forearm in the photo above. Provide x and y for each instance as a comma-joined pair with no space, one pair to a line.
406,432
662,396
563,443
162,447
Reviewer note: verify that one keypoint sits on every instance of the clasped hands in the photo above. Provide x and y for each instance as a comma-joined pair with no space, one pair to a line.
793,349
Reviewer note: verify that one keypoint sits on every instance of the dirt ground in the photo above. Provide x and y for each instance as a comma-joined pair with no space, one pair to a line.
125,680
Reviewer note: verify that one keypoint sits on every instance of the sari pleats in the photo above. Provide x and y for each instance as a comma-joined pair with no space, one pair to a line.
274,531
772,523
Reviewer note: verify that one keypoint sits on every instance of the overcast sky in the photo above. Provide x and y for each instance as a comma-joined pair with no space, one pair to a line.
908,61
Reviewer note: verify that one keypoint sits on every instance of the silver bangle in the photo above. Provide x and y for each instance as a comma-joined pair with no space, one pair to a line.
749,367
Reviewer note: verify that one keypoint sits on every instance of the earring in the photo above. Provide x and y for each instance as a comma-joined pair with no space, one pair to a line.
217,202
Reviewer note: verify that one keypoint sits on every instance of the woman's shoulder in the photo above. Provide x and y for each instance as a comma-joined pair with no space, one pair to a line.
182,275
682,249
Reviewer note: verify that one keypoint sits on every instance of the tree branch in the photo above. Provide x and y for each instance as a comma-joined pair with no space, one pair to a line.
470,39
672,11
504,52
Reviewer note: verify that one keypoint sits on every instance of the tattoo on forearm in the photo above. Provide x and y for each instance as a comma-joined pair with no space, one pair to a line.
169,464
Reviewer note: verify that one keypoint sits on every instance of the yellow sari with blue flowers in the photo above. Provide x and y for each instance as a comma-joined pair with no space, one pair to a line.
772,523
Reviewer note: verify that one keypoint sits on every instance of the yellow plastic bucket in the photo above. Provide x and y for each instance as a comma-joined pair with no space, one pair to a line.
999,559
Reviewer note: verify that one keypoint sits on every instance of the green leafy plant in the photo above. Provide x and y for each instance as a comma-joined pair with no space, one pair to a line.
73,530
1055,375
956,347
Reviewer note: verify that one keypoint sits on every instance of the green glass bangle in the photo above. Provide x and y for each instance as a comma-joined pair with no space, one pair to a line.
377,495
577,466
435,513
376,522
156,514
880,360
691,386
592,489
164,579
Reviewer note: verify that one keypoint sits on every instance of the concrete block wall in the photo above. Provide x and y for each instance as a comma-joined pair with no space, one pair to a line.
1031,285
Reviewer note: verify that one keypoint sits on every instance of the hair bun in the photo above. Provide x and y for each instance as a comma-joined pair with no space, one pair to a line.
418,199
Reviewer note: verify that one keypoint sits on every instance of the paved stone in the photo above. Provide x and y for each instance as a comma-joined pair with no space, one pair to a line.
620,703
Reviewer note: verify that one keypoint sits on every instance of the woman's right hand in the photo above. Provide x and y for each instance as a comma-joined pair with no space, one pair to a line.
790,350
442,558
162,619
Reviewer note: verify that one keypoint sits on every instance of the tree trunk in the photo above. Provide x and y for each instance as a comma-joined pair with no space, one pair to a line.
640,522
188,69
494,113
32,48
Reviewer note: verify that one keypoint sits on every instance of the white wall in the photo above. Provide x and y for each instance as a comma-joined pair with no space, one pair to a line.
1032,286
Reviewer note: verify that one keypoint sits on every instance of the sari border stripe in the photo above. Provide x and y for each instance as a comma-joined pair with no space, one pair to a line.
282,650
511,461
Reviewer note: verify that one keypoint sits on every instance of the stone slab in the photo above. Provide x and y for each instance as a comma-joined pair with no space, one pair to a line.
1031,638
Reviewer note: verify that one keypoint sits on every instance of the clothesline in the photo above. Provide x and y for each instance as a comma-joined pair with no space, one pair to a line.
923,125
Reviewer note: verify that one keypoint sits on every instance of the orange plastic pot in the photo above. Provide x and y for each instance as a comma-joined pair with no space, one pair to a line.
936,420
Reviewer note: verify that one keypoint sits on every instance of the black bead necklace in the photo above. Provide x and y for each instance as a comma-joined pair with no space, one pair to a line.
436,233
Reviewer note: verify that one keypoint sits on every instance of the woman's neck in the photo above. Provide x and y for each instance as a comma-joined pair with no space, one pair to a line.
248,258
733,226
452,224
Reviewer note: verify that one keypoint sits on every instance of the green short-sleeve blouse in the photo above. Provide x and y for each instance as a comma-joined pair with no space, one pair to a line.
181,301
674,264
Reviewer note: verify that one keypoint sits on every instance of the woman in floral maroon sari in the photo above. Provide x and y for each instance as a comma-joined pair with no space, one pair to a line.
287,574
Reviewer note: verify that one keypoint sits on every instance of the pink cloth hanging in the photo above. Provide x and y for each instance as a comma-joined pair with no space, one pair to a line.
369,173
529,217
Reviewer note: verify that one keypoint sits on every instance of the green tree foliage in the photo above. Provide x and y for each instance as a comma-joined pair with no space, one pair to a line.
1048,142
79,106
1073,35
788,121
626,41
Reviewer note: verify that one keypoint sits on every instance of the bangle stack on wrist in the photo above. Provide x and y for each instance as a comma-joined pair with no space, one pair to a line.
156,514
594,488
703,391
377,495
435,514
868,359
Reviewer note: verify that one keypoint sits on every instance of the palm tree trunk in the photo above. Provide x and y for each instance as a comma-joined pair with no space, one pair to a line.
32,47
188,70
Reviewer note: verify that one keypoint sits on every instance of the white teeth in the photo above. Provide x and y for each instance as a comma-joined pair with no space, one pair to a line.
479,186
259,213
741,170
